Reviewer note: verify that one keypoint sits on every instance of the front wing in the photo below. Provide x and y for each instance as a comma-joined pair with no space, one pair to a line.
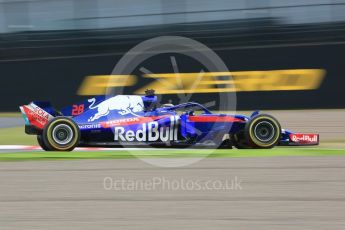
298,139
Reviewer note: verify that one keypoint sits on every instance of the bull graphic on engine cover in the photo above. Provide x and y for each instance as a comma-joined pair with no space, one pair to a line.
122,103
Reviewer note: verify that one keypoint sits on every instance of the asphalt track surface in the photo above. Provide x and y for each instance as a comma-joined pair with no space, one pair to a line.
7,122
274,193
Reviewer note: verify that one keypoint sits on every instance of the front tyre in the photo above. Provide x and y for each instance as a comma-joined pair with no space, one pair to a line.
262,131
61,134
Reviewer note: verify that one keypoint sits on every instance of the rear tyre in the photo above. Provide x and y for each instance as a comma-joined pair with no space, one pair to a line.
262,131
61,134
41,143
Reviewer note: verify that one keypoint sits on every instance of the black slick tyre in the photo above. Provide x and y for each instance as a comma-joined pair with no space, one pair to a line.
262,131
61,134
41,143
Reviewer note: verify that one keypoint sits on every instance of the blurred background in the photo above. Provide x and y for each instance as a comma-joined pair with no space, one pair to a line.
49,47
285,56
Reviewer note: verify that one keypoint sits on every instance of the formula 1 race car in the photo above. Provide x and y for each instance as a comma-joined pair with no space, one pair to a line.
131,120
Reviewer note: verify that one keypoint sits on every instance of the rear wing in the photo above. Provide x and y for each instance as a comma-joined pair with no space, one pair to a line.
37,114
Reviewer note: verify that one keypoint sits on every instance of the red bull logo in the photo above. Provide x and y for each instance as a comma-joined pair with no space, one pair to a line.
149,132
304,138
122,103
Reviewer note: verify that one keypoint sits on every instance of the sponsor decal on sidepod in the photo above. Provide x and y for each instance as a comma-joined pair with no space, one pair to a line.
149,132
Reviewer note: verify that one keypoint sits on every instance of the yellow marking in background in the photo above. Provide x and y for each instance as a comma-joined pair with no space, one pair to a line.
295,79
211,82
98,84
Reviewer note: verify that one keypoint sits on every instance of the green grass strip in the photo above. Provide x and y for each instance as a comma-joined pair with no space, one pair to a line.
123,154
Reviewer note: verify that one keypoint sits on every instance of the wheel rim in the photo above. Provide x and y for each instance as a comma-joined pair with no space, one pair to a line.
62,134
264,131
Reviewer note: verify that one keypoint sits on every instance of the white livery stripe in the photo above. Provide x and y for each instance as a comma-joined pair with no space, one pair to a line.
177,121
172,125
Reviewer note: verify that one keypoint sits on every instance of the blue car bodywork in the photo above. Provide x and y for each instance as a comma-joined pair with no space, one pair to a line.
131,120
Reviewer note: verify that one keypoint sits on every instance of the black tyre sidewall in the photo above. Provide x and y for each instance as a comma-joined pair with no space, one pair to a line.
42,144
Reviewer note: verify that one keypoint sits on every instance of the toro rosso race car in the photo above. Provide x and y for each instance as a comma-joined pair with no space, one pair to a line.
132,120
